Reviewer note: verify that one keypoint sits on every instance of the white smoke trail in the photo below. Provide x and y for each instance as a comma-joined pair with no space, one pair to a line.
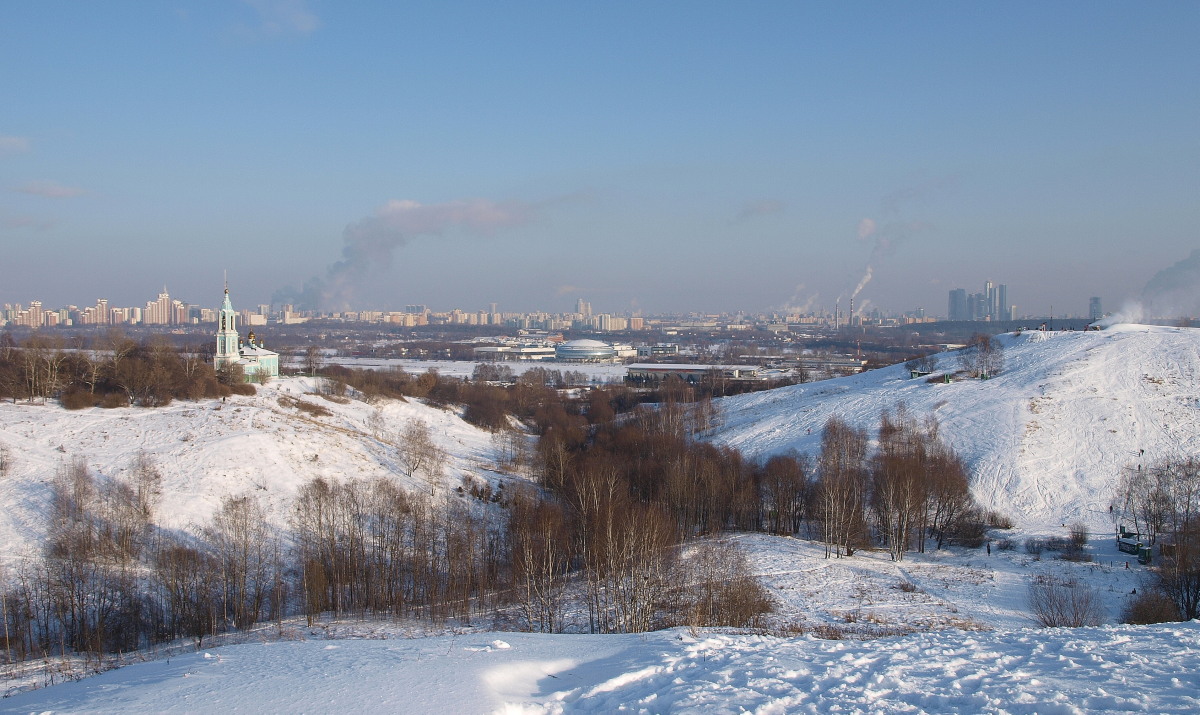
794,306
862,283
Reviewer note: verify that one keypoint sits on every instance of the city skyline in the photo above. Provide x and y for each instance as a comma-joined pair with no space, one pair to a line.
988,305
659,157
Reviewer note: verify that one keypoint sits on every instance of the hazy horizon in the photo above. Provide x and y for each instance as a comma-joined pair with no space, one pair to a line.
666,157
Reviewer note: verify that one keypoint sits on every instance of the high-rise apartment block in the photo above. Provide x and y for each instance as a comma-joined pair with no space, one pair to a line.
958,305
991,304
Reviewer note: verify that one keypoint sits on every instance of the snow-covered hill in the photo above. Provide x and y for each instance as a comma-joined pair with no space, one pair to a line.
1046,439
262,445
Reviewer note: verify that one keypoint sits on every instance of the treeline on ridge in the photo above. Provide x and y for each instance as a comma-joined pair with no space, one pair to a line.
114,372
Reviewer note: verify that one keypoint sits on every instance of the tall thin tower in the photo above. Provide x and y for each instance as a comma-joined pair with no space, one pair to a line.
227,335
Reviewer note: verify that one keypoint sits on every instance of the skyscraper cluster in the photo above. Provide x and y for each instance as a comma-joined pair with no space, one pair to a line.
991,304
163,311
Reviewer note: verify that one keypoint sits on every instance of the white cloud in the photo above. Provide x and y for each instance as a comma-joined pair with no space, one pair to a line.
13,145
284,17
49,189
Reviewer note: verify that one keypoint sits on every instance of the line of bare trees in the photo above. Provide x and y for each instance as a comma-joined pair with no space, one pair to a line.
912,489
369,547
110,581
113,371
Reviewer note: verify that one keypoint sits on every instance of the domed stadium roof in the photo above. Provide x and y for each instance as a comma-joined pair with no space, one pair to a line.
585,344
584,350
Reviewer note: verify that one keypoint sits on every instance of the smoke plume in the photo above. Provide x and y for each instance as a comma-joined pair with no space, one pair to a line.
794,306
1174,292
370,243
862,282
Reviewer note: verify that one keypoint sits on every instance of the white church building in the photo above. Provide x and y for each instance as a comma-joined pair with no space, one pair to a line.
255,360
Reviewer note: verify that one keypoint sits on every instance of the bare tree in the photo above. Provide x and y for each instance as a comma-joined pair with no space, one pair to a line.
231,373
1180,568
784,484
419,455
376,423
189,581
898,480
512,449
313,359
539,542
983,356
147,483
242,545
262,374
950,504
842,487
94,368
1143,498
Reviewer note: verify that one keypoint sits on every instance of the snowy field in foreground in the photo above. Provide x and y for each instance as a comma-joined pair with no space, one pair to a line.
1088,670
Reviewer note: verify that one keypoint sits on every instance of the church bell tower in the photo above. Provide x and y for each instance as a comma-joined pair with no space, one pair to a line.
227,335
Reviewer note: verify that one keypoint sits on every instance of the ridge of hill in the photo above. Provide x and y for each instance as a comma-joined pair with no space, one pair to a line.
267,445
1046,439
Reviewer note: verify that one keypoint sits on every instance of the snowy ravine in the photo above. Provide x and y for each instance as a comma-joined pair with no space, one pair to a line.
1087,670
1046,440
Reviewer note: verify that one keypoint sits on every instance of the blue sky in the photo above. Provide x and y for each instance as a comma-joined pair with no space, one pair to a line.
662,156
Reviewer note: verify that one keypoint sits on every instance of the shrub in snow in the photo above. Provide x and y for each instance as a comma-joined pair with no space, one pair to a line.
996,520
722,589
1064,603
1150,606
828,632
1079,534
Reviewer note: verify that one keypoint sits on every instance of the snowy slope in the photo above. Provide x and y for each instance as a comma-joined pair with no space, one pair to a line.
1046,439
948,588
1087,670
210,449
